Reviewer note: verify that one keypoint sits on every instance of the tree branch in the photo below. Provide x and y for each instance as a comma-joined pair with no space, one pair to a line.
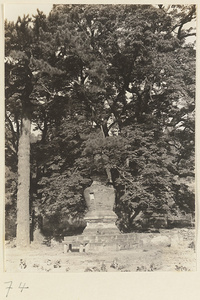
14,133
11,148
185,20
189,34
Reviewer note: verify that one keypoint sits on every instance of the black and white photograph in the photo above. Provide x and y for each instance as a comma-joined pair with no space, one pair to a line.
100,138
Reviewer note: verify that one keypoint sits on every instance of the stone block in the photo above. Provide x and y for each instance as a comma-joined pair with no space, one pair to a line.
161,241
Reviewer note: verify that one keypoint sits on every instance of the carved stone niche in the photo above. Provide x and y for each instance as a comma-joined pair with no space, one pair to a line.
100,218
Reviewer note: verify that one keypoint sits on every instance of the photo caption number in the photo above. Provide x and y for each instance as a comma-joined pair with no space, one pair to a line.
9,287
22,286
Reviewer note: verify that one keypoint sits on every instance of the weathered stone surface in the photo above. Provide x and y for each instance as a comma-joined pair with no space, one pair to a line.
161,241
107,242
176,239
100,218
99,197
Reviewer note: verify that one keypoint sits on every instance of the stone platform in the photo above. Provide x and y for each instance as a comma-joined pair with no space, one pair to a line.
100,243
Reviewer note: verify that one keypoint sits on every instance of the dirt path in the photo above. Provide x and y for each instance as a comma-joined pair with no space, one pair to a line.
40,258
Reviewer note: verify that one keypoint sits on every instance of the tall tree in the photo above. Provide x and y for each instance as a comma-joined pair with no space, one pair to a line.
19,86
124,71
136,52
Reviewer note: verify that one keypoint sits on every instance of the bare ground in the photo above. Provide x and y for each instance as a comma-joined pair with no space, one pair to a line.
180,256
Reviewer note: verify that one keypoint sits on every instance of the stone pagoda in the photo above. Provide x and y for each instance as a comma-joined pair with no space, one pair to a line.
101,232
100,218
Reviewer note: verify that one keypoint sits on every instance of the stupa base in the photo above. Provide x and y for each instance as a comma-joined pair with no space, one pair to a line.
100,242
101,228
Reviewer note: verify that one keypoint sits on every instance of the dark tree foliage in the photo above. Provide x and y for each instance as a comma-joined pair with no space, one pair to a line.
113,95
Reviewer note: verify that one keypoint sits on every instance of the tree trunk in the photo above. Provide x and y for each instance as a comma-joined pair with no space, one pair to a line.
108,172
23,223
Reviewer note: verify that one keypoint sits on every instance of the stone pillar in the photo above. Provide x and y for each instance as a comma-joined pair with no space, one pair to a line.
100,217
